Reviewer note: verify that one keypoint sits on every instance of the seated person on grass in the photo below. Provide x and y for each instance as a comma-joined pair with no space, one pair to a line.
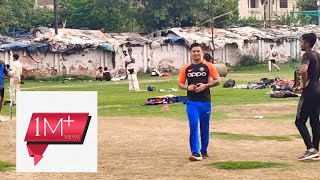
106,74
99,74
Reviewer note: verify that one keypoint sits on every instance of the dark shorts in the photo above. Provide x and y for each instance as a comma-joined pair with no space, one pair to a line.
1,92
131,71
99,78
273,61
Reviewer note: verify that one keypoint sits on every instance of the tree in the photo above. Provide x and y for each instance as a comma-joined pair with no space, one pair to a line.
156,14
308,5
112,15
118,15
22,15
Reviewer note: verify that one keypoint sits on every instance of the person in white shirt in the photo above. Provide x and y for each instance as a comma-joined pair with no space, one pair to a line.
271,56
15,82
130,64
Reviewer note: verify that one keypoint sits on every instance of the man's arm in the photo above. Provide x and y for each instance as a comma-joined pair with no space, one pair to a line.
11,74
183,86
8,73
133,60
304,70
304,75
182,81
214,75
190,87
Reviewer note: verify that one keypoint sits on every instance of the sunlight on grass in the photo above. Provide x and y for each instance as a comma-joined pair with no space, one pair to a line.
230,136
4,165
234,165
114,99
282,117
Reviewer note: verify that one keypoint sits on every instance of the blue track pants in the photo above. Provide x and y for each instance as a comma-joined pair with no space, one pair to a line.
199,112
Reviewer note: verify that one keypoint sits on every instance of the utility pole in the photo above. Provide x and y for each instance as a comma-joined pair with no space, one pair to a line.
270,4
55,4
212,36
264,14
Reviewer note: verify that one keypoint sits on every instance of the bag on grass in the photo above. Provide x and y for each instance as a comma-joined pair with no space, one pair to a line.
151,88
229,83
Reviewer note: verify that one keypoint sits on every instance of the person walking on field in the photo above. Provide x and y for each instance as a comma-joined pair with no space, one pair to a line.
200,76
130,64
271,56
308,106
3,72
15,82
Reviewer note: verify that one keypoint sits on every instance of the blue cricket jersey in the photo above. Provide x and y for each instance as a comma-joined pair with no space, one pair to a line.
3,71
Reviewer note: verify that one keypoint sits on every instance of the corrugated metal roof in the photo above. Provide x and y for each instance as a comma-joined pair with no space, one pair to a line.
124,38
200,35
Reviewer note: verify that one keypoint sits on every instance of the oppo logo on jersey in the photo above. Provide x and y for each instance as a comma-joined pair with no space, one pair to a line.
197,74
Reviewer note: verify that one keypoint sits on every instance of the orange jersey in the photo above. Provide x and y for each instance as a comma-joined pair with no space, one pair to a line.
198,73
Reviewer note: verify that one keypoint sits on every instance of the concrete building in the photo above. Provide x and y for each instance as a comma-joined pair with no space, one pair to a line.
265,9
72,51
44,4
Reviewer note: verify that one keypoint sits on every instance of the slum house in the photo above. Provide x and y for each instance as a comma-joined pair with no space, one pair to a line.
176,42
297,32
140,47
285,40
72,51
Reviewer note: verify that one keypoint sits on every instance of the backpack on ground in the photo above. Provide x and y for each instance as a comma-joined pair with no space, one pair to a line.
151,88
229,83
267,81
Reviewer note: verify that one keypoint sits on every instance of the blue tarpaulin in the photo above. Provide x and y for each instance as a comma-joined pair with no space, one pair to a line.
14,46
107,47
41,47
176,39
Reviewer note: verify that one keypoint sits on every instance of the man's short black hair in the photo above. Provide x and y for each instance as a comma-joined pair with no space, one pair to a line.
105,68
195,45
311,38
16,56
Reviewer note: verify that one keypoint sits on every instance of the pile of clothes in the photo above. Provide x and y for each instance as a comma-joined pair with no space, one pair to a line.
264,83
283,89
166,99
280,88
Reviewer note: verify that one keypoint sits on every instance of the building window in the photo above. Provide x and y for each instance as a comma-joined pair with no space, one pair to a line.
253,4
283,3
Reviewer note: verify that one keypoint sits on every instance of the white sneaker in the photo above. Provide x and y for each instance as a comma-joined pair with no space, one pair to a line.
2,119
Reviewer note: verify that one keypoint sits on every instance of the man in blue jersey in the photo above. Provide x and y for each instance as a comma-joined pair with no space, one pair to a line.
3,71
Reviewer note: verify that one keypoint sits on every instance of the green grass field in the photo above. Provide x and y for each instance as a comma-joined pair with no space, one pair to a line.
116,100
230,136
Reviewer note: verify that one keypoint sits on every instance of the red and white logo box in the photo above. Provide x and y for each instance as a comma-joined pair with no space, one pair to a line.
56,131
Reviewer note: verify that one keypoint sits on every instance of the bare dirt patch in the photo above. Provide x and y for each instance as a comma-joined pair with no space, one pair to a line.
158,148
250,110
